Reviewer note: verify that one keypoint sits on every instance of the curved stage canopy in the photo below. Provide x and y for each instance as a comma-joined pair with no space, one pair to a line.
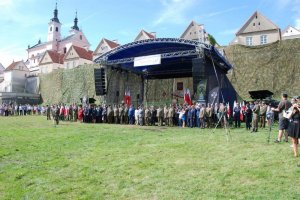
176,57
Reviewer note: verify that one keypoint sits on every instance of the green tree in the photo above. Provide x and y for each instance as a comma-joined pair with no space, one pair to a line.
212,40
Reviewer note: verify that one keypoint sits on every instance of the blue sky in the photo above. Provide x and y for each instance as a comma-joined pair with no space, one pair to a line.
24,22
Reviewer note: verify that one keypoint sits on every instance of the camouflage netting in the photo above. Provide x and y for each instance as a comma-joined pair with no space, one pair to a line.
274,67
68,86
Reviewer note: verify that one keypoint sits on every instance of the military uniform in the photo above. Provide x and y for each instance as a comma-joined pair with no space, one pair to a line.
171,116
262,115
255,117
121,114
159,116
110,115
116,114
166,115
147,116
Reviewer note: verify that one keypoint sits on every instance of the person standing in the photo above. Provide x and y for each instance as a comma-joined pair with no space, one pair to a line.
159,116
147,116
284,105
248,117
166,110
255,117
55,114
294,127
236,116
262,115
171,116
121,114
202,116
116,114
48,111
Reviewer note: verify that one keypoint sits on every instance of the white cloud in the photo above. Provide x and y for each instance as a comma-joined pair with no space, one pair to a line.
174,11
14,52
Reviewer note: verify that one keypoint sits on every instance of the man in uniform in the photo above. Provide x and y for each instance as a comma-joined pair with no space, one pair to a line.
110,114
208,115
171,116
147,116
48,111
255,117
262,115
121,114
116,114
166,110
126,118
55,114
159,116
202,116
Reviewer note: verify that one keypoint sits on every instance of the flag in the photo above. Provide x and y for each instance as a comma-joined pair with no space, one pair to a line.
187,97
127,98
228,111
235,104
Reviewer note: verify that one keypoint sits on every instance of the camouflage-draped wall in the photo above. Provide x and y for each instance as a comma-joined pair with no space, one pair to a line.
274,67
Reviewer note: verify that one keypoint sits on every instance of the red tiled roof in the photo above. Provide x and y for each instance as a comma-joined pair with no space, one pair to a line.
83,53
56,57
149,34
12,66
111,44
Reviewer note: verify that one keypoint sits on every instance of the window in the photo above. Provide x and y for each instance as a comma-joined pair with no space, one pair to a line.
65,50
51,28
80,37
263,39
249,41
258,23
253,24
56,29
180,86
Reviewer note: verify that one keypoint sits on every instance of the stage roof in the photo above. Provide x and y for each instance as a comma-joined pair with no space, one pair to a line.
176,57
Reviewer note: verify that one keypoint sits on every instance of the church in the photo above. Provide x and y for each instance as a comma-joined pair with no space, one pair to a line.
55,44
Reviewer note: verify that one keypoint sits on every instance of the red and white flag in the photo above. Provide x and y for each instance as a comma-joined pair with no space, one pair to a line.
127,98
187,97
228,111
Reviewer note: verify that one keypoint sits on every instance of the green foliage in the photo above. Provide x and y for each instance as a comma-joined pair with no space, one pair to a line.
100,161
274,67
212,40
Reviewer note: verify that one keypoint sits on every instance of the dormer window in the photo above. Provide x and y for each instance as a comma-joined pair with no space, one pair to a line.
65,50
80,37
253,24
56,29
51,28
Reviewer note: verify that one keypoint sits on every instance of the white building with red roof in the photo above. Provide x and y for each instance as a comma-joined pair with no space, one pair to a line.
77,56
144,35
55,42
1,72
50,61
104,46
15,77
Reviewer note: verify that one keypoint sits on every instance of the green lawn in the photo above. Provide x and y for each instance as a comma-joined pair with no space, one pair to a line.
88,161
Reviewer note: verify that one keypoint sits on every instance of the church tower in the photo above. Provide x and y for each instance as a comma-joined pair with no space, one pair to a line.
54,27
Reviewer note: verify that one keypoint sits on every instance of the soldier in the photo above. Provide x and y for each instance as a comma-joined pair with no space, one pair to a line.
121,114
192,116
126,118
55,114
159,116
141,116
166,110
153,113
71,113
262,115
171,116
116,114
104,113
75,112
147,116
110,114
48,111
202,116
208,115
255,117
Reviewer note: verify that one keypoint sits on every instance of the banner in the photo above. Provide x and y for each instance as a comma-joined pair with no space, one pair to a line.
147,60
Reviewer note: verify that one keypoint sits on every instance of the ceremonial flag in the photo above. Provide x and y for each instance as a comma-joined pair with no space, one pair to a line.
228,111
127,98
187,97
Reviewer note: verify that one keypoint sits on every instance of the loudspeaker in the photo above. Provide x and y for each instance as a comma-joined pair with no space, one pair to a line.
117,93
100,83
138,96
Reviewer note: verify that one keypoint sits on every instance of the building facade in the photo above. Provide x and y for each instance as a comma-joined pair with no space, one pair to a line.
195,32
15,76
290,33
55,42
258,30
104,46
77,56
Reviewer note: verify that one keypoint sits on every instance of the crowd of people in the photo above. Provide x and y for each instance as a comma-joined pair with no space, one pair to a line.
22,109
257,114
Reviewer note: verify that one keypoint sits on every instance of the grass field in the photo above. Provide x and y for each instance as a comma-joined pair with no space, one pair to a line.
88,161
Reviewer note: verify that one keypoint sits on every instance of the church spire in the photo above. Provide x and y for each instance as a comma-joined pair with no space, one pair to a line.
75,27
55,18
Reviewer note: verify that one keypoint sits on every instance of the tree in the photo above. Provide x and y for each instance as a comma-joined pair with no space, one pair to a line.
212,40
